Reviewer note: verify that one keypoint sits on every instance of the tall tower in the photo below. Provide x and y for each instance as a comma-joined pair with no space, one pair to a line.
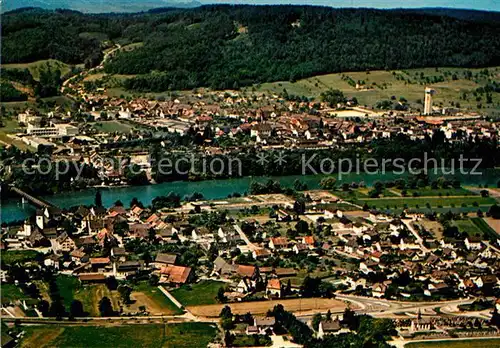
429,92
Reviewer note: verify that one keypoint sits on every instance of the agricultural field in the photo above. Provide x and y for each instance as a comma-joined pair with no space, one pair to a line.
18,256
433,227
261,307
202,293
429,192
385,84
125,336
421,202
477,343
90,295
153,299
494,224
67,286
484,226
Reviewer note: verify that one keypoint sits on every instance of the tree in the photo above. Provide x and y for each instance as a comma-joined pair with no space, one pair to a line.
349,318
57,309
98,198
333,97
221,298
125,292
494,211
328,183
302,227
118,203
299,206
43,306
495,318
76,309
105,307
317,318
136,203
226,318
147,258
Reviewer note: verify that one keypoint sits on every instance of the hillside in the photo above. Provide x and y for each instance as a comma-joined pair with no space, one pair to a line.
233,46
97,6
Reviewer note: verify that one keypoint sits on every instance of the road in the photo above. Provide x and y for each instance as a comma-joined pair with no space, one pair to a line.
87,72
419,239
385,308
243,236
399,343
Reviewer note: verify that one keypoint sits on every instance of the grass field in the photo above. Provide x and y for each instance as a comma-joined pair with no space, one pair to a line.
479,343
467,226
67,287
34,67
112,126
388,85
202,293
90,295
17,256
154,335
485,228
435,202
154,300
429,192
11,293
261,307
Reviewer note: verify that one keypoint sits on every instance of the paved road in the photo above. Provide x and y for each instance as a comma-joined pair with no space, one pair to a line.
243,236
399,343
386,308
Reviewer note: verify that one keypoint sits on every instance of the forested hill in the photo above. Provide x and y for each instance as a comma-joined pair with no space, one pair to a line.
230,46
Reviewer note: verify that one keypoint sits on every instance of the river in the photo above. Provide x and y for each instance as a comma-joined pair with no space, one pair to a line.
14,210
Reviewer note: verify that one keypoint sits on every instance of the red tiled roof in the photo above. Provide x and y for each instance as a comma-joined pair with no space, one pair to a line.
175,274
99,260
247,271
274,284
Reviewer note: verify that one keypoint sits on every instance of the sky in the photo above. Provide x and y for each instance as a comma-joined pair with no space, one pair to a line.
488,5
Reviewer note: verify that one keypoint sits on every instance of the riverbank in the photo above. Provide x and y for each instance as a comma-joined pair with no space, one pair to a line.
14,210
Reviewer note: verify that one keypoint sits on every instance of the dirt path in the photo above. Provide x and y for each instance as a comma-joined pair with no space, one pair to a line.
261,307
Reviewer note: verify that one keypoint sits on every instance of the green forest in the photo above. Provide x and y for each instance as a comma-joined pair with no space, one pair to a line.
232,46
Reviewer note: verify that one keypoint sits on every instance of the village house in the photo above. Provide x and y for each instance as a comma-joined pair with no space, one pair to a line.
273,288
328,328
176,275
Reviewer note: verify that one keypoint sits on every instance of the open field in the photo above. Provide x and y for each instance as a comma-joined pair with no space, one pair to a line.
67,286
261,307
153,335
467,226
112,126
435,202
155,301
478,343
34,67
202,293
11,292
6,140
391,83
429,192
485,228
433,227
13,256
90,295
494,224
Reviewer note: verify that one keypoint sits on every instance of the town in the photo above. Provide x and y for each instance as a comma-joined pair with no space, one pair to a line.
338,204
